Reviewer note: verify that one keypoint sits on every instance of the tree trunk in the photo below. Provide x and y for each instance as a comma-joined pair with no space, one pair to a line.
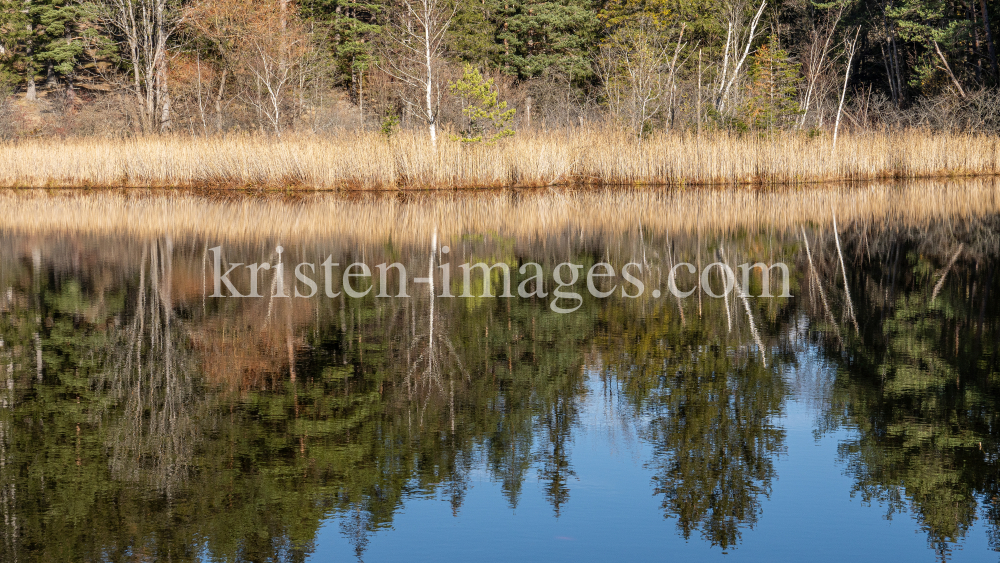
947,69
201,104
218,101
887,58
431,117
847,74
989,40
163,93
164,96
698,118
898,69
31,95
149,83
888,74
976,47
70,92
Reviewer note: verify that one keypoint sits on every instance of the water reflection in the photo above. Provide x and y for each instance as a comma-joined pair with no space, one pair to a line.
919,380
142,420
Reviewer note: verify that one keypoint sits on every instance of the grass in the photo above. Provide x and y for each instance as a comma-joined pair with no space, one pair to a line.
525,215
584,157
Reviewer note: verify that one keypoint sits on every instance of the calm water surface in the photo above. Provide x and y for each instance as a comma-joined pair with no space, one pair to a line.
141,420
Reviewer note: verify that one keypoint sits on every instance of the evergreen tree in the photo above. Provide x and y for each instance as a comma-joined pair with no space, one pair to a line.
488,116
473,33
774,81
353,24
648,13
15,31
56,30
41,37
941,31
556,34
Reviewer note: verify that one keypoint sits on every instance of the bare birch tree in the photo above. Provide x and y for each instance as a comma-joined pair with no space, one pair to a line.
816,56
266,56
637,70
143,27
740,35
411,52
850,46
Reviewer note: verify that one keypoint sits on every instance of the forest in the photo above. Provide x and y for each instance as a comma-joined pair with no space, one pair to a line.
476,71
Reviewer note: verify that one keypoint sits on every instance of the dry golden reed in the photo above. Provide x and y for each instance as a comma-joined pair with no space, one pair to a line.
586,157
522,214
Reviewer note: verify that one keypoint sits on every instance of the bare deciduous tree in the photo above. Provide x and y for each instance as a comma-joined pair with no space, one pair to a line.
412,48
260,43
815,59
947,69
850,46
143,27
637,71
886,39
740,35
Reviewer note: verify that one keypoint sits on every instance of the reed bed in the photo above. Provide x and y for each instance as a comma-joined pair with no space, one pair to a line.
523,214
406,160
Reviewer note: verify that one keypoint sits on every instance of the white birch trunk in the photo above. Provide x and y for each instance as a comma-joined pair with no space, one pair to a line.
843,93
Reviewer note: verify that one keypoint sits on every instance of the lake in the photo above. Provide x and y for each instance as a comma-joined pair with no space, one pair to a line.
229,376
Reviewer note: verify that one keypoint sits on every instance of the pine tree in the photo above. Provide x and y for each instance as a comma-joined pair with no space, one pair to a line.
655,14
774,81
473,33
700,19
488,116
540,35
941,34
58,44
353,24
42,37
15,32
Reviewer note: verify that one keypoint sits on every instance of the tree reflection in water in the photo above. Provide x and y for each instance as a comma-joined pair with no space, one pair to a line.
151,381
708,398
173,428
919,384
